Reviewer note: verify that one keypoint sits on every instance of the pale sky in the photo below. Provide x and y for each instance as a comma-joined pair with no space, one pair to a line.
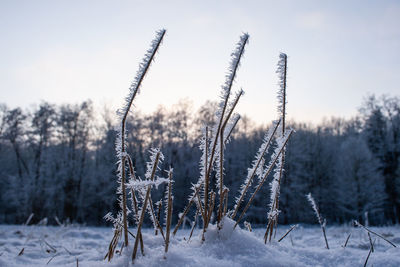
70,51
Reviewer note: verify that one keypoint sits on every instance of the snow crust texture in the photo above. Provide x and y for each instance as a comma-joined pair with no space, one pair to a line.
304,246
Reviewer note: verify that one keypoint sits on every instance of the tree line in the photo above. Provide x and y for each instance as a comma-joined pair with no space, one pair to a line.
58,162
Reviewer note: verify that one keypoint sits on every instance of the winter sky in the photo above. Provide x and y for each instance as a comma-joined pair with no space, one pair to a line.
70,51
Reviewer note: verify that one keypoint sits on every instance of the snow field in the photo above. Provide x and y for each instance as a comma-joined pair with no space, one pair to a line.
304,246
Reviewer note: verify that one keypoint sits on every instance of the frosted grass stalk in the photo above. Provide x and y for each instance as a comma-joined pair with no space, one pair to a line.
220,114
224,96
120,145
275,185
321,222
268,169
256,168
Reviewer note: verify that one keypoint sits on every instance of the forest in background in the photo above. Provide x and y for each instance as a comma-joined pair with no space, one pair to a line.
58,161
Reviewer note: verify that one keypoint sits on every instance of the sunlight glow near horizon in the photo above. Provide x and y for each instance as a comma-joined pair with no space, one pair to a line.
70,51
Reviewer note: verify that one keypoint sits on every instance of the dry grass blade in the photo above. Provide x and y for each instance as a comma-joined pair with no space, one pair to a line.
134,90
194,224
263,179
324,231
231,129
139,227
113,244
211,208
225,197
51,259
52,249
155,218
347,240
29,219
185,211
287,232
134,200
372,232
254,171
200,207
135,206
145,203
319,218
282,70
369,253
169,211
159,207
219,129
21,252
206,181
221,151
370,242
221,176
209,213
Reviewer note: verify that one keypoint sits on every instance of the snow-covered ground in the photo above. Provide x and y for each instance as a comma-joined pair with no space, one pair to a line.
304,246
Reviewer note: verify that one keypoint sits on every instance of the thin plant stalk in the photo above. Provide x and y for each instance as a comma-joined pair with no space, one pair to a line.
157,222
228,88
200,207
263,179
317,214
169,212
221,176
159,207
144,207
347,240
221,154
231,129
226,191
134,200
124,210
371,249
212,204
254,171
209,213
282,70
370,242
185,211
139,227
206,180
324,231
194,224
153,172
135,206
372,232
287,232
113,244
135,89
